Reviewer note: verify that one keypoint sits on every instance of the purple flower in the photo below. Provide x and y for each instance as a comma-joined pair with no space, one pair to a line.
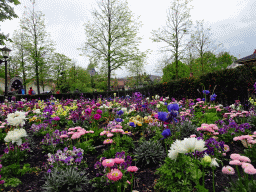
56,118
213,97
206,92
120,112
162,116
173,107
166,133
49,171
97,116
118,120
132,124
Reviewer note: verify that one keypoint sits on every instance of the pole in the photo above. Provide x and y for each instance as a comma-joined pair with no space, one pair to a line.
6,88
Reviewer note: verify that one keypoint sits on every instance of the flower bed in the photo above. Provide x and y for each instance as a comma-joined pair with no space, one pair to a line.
125,144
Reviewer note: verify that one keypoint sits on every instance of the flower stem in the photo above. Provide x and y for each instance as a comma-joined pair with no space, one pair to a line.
213,180
203,175
132,183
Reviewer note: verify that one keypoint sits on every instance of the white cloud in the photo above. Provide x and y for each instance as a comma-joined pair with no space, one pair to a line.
231,21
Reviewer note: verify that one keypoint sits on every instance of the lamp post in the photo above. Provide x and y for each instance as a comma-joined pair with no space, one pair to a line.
5,52
92,73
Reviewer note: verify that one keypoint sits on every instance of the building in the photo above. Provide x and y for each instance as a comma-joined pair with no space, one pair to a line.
244,60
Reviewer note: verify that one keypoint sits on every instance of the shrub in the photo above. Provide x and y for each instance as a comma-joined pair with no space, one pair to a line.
149,152
65,180
186,129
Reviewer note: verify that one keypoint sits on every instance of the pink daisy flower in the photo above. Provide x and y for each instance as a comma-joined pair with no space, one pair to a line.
235,156
107,141
103,133
64,136
108,162
132,169
228,170
110,135
245,165
244,159
119,160
115,175
235,162
250,170
226,148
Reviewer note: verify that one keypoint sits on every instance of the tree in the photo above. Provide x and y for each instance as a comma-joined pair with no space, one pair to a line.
39,46
20,54
224,59
136,69
6,12
169,71
112,36
176,26
201,42
162,63
78,78
60,64
189,60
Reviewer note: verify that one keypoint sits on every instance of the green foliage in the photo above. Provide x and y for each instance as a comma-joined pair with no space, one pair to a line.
10,170
126,142
112,152
149,152
86,146
208,117
251,153
65,180
169,72
13,182
2,135
79,78
13,157
175,175
186,128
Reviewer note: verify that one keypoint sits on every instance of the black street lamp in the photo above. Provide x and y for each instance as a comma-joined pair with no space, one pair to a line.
5,52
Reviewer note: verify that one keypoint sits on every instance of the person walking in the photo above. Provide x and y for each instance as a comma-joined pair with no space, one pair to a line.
30,91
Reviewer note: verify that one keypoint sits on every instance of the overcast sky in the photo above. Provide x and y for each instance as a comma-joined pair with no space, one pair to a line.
232,22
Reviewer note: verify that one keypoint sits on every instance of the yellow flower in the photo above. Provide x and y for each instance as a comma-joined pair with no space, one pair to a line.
207,159
139,123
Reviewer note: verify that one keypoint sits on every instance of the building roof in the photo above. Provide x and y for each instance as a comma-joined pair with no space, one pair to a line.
233,65
250,58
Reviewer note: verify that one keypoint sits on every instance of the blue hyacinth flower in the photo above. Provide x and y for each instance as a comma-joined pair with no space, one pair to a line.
166,133
162,116
174,107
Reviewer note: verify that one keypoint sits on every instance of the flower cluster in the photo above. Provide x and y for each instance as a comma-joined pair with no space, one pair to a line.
115,166
213,97
188,145
16,119
15,136
36,128
238,160
54,138
208,128
206,92
75,135
213,146
248,138
67,157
